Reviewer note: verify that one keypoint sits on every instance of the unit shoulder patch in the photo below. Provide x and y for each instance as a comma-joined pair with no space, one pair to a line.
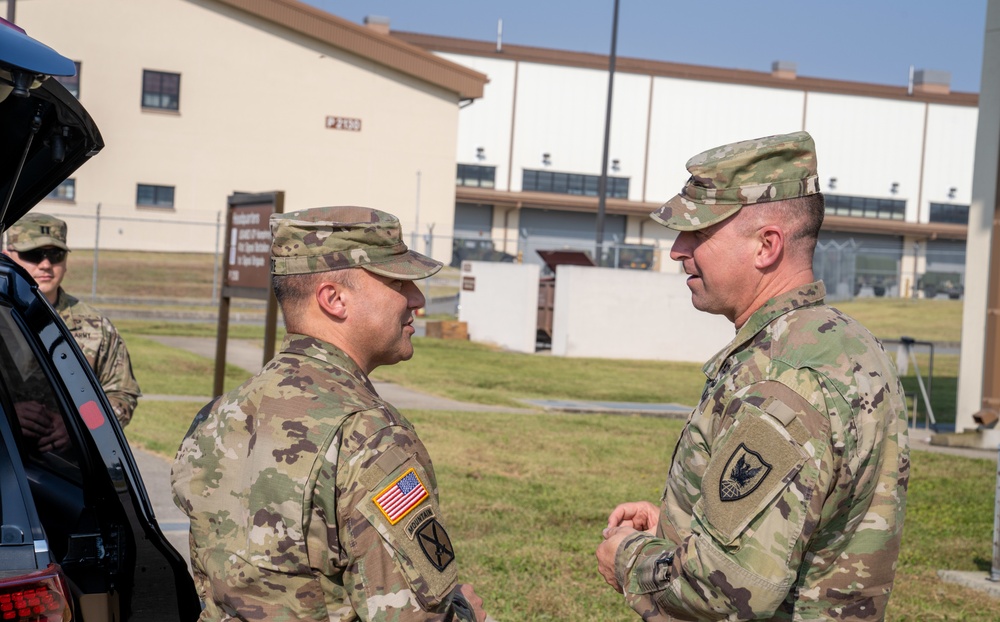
747,471
436,544
744,472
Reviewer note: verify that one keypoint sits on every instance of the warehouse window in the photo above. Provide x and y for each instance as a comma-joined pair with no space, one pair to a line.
154,196
161,90
865,207
66,191
572,183
476,176
72,83
947,212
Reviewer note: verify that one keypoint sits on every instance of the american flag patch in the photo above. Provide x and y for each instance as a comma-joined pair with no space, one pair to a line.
401,496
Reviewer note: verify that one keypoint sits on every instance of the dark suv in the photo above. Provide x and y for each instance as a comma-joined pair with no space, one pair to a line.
78,538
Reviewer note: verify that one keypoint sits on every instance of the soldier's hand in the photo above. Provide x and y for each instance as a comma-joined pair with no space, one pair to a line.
606,551
638,515
473,600
34,418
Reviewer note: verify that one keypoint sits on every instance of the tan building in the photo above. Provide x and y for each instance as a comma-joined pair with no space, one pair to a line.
197,99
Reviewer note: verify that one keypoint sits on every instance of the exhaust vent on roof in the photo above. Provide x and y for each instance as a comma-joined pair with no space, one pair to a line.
377,23
783,69
932,81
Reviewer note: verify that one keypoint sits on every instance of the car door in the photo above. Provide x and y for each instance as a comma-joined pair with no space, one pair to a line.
91,513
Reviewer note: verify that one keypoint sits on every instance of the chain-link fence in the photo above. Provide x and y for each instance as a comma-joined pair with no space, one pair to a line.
851,268
105,264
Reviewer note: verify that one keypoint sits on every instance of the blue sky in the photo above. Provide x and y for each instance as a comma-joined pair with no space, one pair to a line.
859,40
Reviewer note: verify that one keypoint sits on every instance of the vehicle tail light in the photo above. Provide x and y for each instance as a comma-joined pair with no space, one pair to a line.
41,596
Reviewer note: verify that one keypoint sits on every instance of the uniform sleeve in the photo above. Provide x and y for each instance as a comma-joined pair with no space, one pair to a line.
762,495
398,560
114,370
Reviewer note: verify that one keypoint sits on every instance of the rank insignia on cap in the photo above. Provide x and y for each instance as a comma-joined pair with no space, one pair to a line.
744,472
436,544
398,498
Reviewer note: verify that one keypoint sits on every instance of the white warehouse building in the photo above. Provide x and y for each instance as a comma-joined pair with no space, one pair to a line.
483,150
895,162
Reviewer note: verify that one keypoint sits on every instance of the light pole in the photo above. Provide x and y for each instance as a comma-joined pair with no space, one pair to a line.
602,183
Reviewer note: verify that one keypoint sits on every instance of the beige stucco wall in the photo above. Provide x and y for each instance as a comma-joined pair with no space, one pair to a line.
254,98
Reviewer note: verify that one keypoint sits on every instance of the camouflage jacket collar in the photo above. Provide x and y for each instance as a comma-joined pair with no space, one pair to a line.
329,354
63,301
805,296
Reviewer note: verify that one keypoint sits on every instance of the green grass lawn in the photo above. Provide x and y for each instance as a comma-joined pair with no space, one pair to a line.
923,320
526,496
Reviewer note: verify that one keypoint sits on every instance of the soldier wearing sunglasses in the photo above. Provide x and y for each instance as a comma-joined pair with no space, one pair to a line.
37,243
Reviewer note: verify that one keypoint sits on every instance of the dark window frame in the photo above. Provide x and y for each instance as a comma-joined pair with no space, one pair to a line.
955,213
72,83
161,90
476,176
865,207
160,197
576,184
65,191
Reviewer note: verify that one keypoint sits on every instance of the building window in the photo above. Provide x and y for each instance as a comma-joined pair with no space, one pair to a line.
66,191
161,90
572,183
865,207
72,83
947,212
476,176
154,196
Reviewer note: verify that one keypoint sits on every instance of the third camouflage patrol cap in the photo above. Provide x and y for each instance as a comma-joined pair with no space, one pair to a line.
726,178
333,238
35,231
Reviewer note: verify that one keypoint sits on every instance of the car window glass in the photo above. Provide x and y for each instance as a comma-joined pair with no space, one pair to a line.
32,405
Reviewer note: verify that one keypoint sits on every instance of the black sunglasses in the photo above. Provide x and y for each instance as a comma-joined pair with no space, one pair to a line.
37,255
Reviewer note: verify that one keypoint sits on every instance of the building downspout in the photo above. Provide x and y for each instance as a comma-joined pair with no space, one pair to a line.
513,125
923,157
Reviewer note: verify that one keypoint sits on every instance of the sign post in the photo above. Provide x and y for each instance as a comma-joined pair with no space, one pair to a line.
246,268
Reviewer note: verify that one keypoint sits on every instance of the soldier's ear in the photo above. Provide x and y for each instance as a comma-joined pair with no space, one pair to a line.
771,243
331,298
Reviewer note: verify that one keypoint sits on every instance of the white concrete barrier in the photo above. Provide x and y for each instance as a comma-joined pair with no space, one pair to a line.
499,303
599,313
632,314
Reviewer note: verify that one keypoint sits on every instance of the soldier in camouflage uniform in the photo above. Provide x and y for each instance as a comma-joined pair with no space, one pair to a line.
37,243
310,496
786,494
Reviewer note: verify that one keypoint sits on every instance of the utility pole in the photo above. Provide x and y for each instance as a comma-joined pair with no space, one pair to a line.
602,183
11,6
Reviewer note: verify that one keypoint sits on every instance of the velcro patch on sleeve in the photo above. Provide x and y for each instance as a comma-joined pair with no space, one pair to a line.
397,499
747,472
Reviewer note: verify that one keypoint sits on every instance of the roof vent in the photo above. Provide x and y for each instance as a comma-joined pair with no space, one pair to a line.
783,69
932,81
377,23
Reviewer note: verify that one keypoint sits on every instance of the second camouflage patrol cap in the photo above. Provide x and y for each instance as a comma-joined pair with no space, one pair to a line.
36,231
333,238
726,178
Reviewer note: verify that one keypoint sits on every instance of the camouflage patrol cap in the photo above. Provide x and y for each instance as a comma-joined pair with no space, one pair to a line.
332,238
35,231
726,178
